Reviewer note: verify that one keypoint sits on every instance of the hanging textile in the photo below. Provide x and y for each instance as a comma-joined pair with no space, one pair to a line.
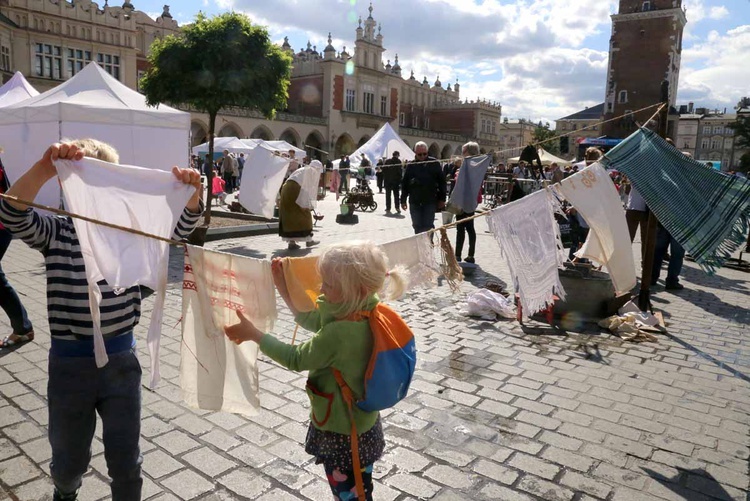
706,211
308,177
595,197
262,180
302,281
149,200
469,182
215,373
417,255
529,238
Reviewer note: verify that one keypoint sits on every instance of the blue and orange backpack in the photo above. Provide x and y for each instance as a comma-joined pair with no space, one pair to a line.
389,371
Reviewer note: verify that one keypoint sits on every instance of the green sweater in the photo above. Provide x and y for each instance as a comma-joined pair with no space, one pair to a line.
342,344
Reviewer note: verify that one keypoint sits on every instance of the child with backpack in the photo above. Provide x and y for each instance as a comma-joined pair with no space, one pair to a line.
346,360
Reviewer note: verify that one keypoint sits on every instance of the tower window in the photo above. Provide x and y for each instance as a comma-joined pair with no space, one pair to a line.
622,97
646,6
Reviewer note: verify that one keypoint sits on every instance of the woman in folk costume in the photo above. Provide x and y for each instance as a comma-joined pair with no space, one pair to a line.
298,198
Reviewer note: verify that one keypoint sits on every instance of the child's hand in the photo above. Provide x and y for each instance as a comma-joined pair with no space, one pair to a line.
61,151
243,331
193,178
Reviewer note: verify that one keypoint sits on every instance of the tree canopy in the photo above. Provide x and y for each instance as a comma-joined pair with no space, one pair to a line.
219,62
741,128
544,133
214,63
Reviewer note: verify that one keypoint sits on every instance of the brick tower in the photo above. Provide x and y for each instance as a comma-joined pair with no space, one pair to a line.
644,50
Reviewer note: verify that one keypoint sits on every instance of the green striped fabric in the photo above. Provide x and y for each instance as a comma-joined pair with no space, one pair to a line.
706,211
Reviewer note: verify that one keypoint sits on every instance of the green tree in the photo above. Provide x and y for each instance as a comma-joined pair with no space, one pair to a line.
544,133
214,63
741,128
745,163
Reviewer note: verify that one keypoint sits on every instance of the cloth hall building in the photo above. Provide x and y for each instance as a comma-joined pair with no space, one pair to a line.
337,98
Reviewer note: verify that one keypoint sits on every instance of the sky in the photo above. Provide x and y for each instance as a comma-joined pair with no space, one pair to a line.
540,59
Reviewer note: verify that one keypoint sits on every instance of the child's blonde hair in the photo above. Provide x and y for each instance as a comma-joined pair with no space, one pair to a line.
360,268
93,148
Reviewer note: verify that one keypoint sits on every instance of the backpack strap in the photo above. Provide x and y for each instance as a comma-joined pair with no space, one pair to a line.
346,392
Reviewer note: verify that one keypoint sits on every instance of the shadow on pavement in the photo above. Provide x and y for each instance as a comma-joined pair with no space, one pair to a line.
708,357
703,482
711,303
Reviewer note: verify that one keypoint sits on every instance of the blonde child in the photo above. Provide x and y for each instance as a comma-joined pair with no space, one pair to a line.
353,273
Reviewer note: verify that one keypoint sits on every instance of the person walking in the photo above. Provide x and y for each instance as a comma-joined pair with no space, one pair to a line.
423,189
393,171
23,331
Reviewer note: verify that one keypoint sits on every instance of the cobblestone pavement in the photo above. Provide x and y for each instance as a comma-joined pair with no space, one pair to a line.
496,411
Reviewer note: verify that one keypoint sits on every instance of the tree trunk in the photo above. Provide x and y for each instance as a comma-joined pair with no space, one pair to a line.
210,173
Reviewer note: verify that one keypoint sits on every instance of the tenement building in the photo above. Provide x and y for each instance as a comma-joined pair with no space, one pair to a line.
338,98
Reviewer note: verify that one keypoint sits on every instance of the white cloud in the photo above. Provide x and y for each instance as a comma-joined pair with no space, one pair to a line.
719,12
715,72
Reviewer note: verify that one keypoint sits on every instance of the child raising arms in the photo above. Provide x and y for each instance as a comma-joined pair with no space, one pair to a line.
352,274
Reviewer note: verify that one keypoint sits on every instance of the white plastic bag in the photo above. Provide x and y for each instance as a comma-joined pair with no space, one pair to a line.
487,304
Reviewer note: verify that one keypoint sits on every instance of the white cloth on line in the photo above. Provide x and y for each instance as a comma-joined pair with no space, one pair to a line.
308,177
148,200
215,373
529,238
593,194
262,180
417,255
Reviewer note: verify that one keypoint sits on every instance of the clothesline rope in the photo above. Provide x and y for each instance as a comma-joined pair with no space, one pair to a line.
62,212
539,143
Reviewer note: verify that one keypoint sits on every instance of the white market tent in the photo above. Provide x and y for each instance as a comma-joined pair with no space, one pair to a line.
231,144
93,104
15,90
382,144
280,146
546,157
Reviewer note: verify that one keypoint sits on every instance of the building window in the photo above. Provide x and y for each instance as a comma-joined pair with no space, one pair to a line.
484,125
368,103
646,6
687,145
715,144
574,127
138,81
415,121
402,119
718,129
493,126
426,122
704,144
77,59
5,58
48,61
110,64
350,99
707,129
383,106
622,97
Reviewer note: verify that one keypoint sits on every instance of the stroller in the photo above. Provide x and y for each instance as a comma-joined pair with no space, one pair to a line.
360,196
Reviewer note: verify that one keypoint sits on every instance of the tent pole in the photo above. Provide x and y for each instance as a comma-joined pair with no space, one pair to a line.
649,239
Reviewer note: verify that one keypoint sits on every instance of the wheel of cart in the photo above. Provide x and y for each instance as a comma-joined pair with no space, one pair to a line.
369,206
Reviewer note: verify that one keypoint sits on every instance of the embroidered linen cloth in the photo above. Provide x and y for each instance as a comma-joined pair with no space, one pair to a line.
417,255
149,200
529,238
469,182
262,180
593,194
706,211
302,281
215,373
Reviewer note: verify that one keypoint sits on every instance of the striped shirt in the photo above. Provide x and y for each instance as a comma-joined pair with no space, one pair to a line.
67,288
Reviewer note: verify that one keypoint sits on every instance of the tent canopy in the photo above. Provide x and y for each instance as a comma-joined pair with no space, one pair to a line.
232,144
382,144
15,90
94,96
93,104
546,157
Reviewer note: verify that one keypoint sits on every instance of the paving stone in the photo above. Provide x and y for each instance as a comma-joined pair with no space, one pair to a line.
220,440
259,435
9,416
579,482
546,490
451,477
497,492
413,485
619,476
533,465
175,442
40,489
187,484
157,464
568,459
208,462
247,482
22,432
278,495
193,424
406,460
18,470
39,450
495,471
251,455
